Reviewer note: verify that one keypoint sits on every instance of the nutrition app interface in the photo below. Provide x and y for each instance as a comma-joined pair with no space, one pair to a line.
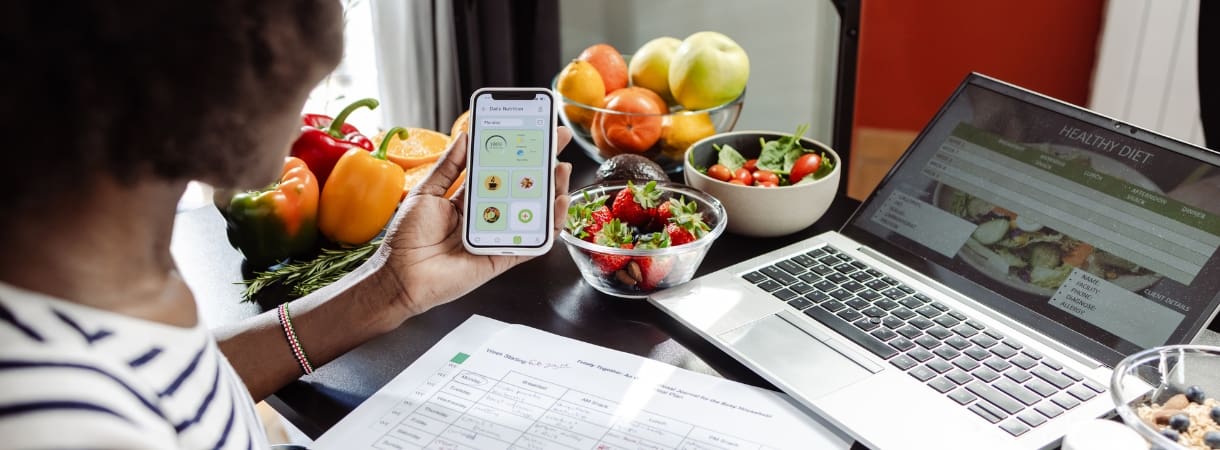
510,168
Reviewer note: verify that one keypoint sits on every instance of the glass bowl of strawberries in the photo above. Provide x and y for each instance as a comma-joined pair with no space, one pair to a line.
630,240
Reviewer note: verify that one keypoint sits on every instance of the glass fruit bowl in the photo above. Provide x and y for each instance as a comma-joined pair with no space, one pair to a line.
1172,388
604,133
643,271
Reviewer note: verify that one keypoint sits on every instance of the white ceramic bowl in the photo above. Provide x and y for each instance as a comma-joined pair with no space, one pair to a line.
761,211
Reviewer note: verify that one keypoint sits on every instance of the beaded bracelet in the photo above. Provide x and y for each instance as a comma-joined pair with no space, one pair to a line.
291,334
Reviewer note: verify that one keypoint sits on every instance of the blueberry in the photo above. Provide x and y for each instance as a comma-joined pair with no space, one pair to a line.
1170,434
1216,414
1212,439
1179,422
1195,394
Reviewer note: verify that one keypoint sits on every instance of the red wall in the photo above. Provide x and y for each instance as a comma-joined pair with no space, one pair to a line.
913,53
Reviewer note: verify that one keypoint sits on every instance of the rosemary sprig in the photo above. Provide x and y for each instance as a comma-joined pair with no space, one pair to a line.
302,278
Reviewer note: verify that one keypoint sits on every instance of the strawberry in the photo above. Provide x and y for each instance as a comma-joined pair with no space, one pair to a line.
634,204
586,218
654,270
653,240
685,228
598,219
616,235
673,207
608,264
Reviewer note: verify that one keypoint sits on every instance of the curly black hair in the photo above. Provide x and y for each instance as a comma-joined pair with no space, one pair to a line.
138,88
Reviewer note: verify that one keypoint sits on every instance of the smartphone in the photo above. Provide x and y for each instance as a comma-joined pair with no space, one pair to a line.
510,188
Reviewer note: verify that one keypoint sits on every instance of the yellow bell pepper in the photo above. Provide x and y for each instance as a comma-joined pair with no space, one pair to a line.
361,195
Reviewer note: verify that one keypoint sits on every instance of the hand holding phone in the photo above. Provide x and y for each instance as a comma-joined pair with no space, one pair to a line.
510,188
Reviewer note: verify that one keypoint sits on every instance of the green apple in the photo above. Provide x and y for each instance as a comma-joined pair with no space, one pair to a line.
649,66
708,70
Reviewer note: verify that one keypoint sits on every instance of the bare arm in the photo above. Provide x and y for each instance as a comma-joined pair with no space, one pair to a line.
328,323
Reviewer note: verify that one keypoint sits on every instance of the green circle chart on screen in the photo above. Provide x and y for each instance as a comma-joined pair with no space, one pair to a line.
525,216
495,144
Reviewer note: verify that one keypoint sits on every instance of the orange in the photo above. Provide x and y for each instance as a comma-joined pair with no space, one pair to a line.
580,82
609,63
415,175
603,148
422,146
637,131
457,183
462,123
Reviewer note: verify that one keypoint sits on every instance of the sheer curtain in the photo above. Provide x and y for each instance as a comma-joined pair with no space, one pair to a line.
414,51
432,54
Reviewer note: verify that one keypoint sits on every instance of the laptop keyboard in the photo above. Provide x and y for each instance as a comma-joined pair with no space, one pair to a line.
993,376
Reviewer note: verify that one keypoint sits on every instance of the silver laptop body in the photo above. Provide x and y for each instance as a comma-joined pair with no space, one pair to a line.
981,295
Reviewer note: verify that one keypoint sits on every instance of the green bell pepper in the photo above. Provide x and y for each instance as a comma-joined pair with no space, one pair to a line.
278,222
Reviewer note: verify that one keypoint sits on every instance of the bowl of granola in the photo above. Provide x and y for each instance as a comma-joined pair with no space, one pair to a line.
1169,395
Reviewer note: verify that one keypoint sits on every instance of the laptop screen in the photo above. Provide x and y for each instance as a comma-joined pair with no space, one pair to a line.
1043,210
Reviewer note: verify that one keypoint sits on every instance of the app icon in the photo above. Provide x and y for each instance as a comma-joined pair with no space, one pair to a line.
526,182
492,183
525,216
517,240
491,214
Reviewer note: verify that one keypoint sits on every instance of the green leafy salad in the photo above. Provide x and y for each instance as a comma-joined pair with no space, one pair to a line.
780,162
1027,250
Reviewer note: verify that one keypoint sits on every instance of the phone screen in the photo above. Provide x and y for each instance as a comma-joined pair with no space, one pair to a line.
510,169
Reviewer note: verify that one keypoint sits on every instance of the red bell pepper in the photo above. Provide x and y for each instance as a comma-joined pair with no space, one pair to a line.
324,140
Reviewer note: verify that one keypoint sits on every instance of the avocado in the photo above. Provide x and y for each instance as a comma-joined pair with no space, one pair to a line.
629,166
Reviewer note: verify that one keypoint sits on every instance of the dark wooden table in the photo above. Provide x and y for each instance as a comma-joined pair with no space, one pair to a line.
546,293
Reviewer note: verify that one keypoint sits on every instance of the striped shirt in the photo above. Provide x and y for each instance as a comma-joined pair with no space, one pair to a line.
72,376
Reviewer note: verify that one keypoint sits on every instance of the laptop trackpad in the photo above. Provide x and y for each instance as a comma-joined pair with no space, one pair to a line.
794,356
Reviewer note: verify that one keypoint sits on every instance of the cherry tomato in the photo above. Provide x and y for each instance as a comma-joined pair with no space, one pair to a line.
767,184
766,176
719,172
751,164
744,175
805,165
737,182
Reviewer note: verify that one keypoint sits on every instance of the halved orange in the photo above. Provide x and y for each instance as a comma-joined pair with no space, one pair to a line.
422,146
415,175
456,184
462,123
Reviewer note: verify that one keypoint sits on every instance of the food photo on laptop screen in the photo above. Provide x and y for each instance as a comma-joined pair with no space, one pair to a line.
1038,213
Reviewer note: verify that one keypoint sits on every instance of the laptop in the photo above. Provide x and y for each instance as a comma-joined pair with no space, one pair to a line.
980,296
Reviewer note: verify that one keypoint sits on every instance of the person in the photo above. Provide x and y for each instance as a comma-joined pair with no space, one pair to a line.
112,107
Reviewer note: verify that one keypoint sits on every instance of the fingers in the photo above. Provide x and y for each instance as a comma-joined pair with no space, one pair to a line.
563,174
459,198
561,211
563,177
447,169
565,136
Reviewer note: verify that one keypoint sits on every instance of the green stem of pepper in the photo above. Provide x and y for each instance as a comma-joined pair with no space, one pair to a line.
336,126
385,142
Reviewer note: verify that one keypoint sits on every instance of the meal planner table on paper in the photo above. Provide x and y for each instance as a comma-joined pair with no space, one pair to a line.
525,389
